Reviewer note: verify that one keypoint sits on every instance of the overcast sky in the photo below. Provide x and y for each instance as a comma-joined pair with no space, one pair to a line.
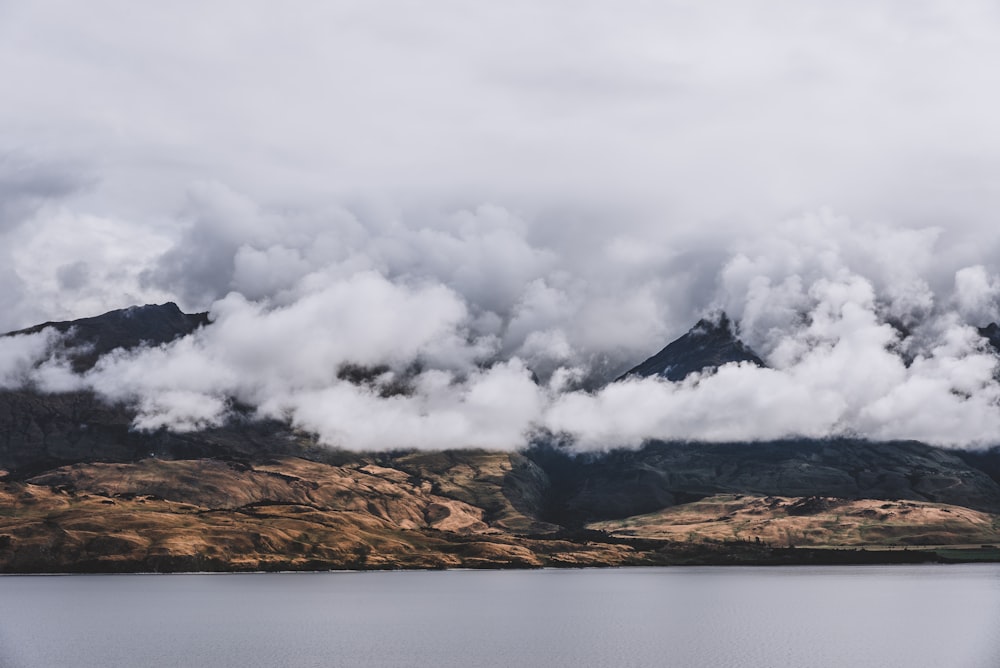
549,185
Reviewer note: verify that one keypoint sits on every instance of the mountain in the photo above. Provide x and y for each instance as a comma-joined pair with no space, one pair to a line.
707,345
622,483
81,491
90,338
991,333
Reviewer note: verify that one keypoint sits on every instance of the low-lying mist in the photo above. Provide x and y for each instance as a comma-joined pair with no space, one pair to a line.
468,334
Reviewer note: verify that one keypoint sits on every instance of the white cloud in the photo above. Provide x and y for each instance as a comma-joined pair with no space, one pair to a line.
341,182
19,354
977,294
496,408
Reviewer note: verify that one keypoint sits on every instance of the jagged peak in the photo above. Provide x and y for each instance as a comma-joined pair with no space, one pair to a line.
711,343
715,322
991,333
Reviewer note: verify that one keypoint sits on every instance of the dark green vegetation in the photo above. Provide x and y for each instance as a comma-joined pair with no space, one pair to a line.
81,491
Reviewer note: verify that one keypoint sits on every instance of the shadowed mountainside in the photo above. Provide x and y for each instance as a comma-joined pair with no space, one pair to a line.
632,482
707,345
87,339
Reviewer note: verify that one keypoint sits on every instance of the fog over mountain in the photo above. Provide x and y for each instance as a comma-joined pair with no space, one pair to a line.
492,211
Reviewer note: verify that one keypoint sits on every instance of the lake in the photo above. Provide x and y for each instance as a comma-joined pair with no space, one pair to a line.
935,616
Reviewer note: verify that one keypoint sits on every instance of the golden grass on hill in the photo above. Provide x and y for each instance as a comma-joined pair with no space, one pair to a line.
812,521
288,514
420,510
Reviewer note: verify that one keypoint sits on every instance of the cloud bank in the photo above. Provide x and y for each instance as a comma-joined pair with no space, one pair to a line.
498,209
463,353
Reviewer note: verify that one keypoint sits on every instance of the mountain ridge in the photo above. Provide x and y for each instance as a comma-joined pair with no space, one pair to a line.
87,339
80,490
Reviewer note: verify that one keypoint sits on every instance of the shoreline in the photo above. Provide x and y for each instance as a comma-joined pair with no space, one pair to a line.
766,557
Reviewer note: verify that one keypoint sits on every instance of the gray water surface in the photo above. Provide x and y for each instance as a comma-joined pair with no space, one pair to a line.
934,616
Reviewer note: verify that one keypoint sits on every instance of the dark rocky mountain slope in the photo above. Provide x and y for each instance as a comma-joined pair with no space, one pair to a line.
991,333
587,488
707,345
89,338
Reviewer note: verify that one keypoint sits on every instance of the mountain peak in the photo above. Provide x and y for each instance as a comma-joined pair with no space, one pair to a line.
709,344
151,324
991,333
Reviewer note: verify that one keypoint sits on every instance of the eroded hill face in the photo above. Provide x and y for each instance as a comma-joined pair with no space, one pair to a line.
287,513
417,510
812,521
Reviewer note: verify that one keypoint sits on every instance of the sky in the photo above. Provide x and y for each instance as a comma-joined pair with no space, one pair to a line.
508,204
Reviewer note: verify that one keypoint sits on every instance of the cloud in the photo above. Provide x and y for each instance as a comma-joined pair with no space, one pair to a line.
494,408
77,265
19,355
838,371
269,356
977,294
454,195
26,186
856,341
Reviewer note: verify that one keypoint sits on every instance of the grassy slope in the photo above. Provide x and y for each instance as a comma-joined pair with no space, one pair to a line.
417,510
287,514
812,521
